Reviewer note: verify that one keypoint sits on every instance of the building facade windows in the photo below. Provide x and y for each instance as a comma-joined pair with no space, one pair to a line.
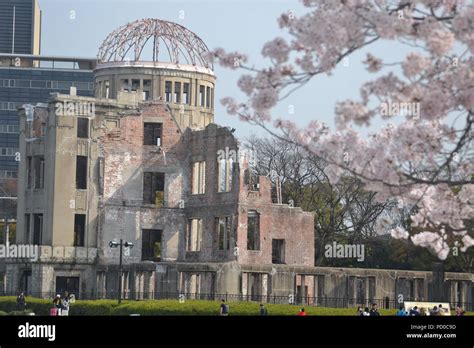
253,230
79,230
81,172
107,90
37,229
29,171
11,106
177,92
124,84
202,95
69,284
135,85
82,127
168,91
208,97
223,232
8,174
186,94
153,188
198,178
9,129
39,172
225,172
278,251
8,151
194,235
46,84
27,229
146,89
151,245
152,133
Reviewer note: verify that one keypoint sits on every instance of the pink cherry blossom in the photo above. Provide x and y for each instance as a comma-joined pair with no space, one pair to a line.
421,159
415,64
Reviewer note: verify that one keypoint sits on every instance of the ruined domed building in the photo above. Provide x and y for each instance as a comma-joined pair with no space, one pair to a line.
144,162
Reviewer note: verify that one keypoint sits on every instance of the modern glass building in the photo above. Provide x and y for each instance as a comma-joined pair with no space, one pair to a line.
30,79
20,26
26,77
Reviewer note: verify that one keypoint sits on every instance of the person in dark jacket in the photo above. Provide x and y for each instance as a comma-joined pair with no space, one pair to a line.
414,312
21,302
224,310
263,310
374,311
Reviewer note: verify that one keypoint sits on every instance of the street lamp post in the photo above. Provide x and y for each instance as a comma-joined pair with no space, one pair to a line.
121,244
7,219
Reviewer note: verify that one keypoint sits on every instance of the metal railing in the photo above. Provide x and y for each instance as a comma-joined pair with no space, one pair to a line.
322,301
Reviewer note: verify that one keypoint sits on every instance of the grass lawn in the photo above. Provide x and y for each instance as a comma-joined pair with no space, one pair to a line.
174,307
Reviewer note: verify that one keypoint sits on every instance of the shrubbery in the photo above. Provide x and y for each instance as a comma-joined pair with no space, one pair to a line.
168,307
35,305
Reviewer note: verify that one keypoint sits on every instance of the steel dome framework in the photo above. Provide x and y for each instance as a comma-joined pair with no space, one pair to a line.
170,42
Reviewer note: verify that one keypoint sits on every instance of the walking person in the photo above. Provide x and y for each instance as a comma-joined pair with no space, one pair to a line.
401,312
414,312
441,310
57,305
366,312
360,311
65,306
263,310
21,302
374,311
224,309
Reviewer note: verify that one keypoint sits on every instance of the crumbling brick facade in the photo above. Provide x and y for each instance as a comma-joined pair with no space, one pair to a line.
149,166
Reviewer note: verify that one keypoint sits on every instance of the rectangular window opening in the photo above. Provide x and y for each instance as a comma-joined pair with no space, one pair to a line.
152,133
278,251
202,95
37,229
225,171
198,178
168,85
81,172
39,172
177,92
29,172
194,235
223,232
253,230
153,188
208,97
27,229
79,229
151,245
186,95
82,127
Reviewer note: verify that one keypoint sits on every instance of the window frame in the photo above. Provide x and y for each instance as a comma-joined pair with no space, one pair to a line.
198,178
194,244
147,239
253,238
227,223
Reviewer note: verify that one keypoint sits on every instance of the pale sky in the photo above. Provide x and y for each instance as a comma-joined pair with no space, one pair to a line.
77,28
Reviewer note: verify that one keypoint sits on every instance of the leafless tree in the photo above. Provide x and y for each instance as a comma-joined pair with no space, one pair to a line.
343,211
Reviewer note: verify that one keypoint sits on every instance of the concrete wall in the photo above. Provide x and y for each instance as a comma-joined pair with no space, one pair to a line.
277,221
